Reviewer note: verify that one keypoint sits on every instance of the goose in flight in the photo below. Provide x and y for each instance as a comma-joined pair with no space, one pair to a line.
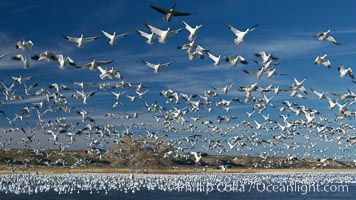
321,95
233,61
193,31
298,85
258,73
322,60
24,45
149,37
194,50
64,61
240,35
83,84
216,59
156,67
82,95
265,57
225,89
273,72
47,55
163,34
21,80
81,40
326,36
343,72
169,13
197,156
109,73
19,57
93,65
113,37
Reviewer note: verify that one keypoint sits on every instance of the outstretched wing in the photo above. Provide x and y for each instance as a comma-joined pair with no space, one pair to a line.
89,39
161,10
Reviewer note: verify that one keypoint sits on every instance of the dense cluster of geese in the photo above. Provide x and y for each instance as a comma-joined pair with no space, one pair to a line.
206,121
129,183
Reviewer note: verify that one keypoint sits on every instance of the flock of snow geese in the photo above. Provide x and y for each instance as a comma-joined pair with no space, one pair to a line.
192,123
200,183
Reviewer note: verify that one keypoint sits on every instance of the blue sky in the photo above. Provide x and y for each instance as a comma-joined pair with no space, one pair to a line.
286,29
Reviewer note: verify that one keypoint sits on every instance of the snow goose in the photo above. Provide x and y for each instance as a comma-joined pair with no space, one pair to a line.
197,156
240,35
258,73
82,84
265,57
81,40
193,31
109,73
322,60
343,72
169,13
93,65
64,61
24,45
225,89
19,57
150,37
82,95
163,34
156,67
47,55
216,59
326,36
21,80
113,37
233,61
321,95
298,85
273,72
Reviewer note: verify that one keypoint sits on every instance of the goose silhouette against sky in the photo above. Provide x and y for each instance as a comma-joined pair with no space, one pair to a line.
170,12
